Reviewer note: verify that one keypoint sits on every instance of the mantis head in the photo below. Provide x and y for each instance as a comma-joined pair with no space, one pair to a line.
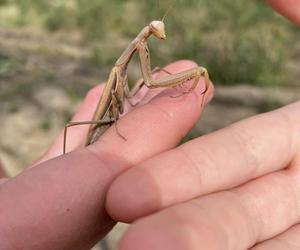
157,28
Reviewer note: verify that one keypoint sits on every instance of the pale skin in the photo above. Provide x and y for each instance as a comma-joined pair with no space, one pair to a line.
256,161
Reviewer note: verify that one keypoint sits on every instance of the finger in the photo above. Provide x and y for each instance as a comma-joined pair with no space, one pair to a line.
235,219
288,8
67,193
218,161
288,240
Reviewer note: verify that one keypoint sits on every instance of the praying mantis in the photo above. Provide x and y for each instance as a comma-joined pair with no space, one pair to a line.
116,90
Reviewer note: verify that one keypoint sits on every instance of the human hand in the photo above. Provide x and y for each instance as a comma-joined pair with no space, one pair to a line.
237,188
59,202
73,184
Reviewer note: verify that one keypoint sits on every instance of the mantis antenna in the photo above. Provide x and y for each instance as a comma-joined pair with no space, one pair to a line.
167,11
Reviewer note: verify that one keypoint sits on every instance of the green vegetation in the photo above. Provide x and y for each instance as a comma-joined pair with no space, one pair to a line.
239,41
45,125
8,66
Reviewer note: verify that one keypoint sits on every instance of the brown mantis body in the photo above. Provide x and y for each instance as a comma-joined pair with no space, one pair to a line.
110,105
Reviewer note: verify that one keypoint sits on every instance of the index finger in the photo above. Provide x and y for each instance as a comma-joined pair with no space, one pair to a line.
288,8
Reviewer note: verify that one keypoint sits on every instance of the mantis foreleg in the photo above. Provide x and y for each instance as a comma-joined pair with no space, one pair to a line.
170,80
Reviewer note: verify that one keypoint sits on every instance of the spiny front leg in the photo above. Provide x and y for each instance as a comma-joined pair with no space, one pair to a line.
170,80
114,111
202,72
182,77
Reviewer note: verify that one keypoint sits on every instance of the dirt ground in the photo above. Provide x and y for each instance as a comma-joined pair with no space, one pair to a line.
43,80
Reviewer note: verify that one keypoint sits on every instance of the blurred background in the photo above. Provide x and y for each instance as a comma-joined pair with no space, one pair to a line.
53,52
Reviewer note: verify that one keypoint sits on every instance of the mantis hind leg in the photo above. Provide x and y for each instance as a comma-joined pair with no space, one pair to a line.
71,124
114,112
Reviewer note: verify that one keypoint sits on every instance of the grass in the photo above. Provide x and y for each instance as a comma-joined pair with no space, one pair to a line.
239,41
8,66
